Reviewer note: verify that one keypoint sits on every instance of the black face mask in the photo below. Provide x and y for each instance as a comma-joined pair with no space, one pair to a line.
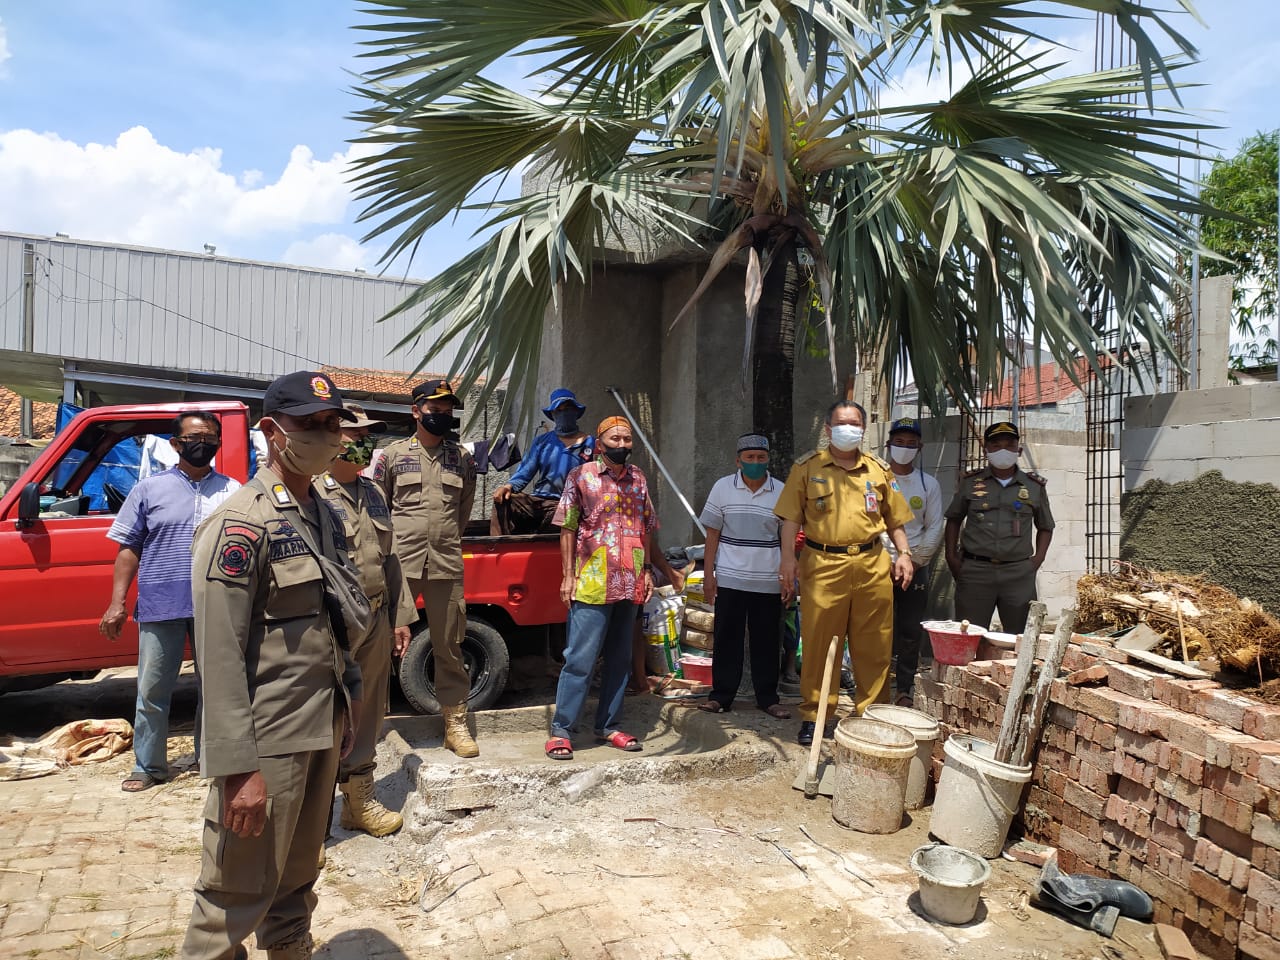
198,453
438,424
617,455
566,422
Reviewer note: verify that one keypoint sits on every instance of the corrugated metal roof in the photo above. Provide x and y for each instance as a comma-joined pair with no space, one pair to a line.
175,310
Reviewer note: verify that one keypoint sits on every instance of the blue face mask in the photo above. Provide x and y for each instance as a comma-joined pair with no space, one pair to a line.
755,471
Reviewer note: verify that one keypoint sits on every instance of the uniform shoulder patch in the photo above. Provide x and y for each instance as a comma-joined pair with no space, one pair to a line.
884,464
806,457
233,554
1036,478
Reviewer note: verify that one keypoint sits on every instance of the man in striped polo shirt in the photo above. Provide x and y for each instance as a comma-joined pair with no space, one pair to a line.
741,578
154,530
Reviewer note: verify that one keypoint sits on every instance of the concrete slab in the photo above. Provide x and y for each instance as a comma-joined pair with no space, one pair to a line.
679,743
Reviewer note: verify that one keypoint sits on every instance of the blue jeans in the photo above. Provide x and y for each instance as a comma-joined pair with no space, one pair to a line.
594,628
160,644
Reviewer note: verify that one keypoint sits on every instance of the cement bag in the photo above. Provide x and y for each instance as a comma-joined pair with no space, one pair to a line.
699,619
662,658
662,616
698,639
693,587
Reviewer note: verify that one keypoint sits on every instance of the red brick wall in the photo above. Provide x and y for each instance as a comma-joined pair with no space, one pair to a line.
1173,785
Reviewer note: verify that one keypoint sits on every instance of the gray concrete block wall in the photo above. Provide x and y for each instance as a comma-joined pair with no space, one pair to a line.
1176,437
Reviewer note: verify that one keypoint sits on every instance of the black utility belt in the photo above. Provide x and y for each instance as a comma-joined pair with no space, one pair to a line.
846,549
974,556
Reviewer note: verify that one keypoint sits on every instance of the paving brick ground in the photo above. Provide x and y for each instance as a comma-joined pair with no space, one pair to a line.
88,872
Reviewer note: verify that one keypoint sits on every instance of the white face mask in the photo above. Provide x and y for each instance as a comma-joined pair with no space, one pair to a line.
846,437
903,454
1002,459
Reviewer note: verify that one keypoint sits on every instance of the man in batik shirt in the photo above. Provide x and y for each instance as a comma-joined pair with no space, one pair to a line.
605,519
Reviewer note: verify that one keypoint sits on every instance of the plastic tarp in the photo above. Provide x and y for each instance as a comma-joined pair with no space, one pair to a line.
119,467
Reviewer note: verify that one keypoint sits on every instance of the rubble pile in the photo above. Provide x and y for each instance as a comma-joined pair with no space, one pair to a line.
1210,620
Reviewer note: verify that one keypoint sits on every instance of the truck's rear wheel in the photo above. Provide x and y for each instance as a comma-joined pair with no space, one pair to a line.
484,653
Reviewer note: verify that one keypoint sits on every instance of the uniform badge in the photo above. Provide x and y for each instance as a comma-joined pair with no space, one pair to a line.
1023,494
329,482
320,387
916,503
232,558
281,494
380,471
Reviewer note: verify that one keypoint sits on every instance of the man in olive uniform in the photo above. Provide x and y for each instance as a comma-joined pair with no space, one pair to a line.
844,498
276,685
430,483
371,548
992,560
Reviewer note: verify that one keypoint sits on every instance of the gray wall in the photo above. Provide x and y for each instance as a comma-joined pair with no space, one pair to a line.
684,387
187,311
1202,473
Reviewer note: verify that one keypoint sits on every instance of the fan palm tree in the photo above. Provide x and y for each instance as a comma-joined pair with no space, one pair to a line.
933,234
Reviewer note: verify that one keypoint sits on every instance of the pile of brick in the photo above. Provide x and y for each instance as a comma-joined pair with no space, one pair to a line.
1171,784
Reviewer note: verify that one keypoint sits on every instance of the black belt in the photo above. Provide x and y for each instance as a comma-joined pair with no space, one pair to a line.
846,549
974,556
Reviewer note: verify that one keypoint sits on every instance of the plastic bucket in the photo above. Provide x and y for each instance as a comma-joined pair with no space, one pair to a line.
977,796
696,668
925,729
952,645
873,761
951,881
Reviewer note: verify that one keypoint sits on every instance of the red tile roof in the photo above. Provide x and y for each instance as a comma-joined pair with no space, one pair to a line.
394,383
1038,388
44,416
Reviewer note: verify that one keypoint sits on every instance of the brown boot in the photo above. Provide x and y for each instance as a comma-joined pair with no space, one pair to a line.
298,950
456,735
362,811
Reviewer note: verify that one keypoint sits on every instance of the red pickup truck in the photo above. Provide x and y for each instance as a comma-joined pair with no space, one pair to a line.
56,563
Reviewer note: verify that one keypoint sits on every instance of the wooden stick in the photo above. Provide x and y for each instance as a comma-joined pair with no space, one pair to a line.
811,781
1021,677
1030,733
1182,635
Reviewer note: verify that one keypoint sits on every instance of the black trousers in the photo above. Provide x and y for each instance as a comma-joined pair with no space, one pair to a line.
908,610
742,613
523,513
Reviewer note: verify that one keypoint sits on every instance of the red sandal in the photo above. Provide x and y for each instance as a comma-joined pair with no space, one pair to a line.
558,748
622,741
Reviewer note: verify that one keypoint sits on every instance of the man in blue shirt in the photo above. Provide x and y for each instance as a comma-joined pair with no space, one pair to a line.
154,529
553,454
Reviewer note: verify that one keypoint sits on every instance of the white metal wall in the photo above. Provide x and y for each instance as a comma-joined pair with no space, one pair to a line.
188,311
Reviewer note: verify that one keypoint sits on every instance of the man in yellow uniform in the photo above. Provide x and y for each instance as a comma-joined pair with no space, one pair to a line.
843,498
429,482
366,520
276,684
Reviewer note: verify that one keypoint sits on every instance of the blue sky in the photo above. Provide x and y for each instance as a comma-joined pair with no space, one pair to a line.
170,123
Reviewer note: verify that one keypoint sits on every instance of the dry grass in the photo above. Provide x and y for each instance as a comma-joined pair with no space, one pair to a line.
1217,623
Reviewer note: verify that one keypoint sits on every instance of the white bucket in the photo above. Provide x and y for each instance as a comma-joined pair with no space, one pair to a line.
977,796
873,759
926,731
951,881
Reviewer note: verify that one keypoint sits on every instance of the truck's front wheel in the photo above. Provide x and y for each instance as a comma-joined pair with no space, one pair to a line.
484,653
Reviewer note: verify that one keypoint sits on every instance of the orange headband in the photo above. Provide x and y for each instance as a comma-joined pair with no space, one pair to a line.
608,423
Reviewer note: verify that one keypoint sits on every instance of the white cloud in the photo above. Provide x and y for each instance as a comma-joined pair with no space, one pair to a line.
5,53
336,251
139,191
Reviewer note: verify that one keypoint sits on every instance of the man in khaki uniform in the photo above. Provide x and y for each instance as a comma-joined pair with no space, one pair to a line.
276,685
843,498
430,483
988,534
366,520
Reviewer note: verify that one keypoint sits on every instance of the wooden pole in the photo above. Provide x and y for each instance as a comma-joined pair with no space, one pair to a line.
1030,733
1021,677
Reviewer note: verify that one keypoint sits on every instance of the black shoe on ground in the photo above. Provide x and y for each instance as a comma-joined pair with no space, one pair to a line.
829,730
846,680
805,736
